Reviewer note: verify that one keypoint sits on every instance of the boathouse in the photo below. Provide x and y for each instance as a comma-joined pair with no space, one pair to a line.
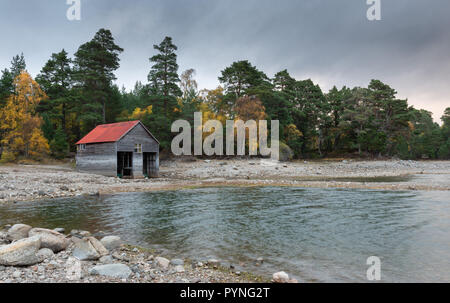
125,149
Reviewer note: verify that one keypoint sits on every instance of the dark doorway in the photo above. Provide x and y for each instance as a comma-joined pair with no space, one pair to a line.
150,169
124,164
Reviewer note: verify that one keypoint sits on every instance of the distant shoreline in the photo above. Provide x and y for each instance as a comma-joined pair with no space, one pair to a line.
37,182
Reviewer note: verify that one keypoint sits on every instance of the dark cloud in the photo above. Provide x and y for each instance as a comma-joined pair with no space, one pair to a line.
328,41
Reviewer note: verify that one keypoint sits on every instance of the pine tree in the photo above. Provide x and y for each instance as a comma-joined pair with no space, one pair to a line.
56,81
444,149
391,115
59,145
95,63
163,76
337,99
17,65
8,75
240,77
283,81
308,112
6,86
163,91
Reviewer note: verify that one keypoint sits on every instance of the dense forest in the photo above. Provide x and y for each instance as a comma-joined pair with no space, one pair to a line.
45,116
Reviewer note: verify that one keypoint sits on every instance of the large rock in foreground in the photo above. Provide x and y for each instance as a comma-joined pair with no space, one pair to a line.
112,271
50,239
89,249
21,253
18,231
111,242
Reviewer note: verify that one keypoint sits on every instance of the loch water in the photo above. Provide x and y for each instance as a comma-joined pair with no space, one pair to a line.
316,235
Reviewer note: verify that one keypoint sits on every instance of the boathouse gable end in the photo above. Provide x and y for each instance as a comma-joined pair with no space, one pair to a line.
134,152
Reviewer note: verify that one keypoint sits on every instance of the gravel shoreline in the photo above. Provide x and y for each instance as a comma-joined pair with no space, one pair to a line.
34,182
120,264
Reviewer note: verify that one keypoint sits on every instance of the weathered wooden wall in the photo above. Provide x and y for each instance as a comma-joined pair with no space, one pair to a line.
98,158
138,135
101,158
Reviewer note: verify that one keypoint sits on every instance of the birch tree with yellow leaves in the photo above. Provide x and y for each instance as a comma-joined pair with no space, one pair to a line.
20,124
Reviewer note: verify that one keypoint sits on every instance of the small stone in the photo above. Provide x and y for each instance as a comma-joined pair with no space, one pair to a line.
80,233
106,259
121,257
135,268
89,249
162,262
51,266
60,230
111,270
179,268
45,254
213,262
111,242
176,262
17,274
280,277
4,238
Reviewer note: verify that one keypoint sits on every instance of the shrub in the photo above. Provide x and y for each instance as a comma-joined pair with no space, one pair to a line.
286,153
7,157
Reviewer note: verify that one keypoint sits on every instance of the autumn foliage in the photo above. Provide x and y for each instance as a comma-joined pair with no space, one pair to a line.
250,108
20,125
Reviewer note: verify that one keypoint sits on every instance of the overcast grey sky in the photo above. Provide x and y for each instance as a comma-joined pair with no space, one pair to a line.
329,41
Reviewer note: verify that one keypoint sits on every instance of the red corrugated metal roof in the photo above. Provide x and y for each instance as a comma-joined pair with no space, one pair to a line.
108,132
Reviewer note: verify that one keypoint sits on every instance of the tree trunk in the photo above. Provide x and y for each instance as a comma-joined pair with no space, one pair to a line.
104,112
63,118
